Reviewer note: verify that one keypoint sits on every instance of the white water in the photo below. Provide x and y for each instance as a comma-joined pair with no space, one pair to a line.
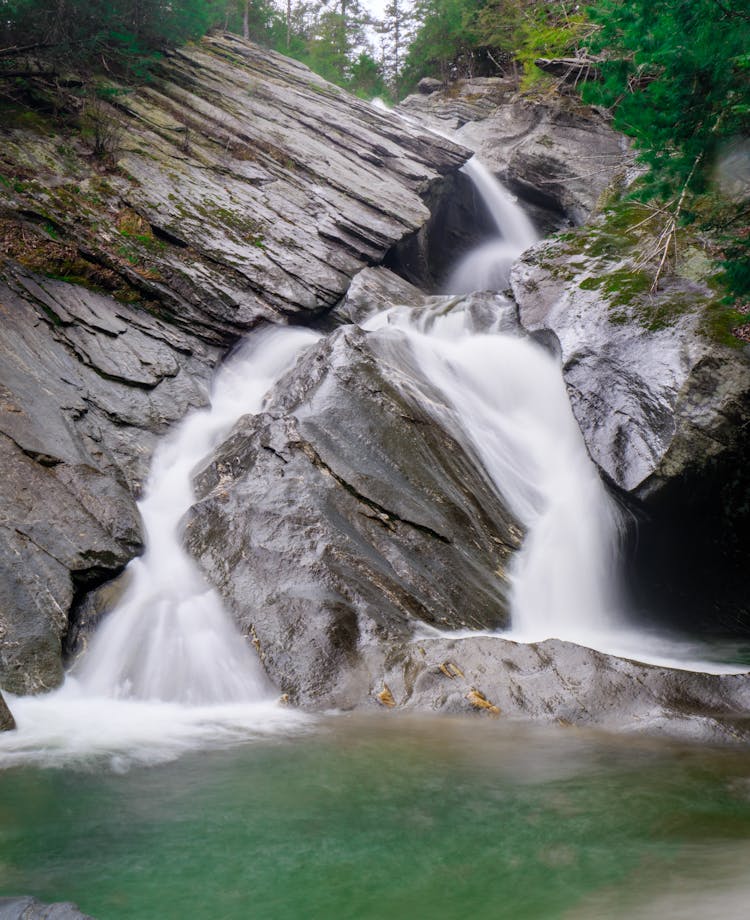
168,669
511,400
487,268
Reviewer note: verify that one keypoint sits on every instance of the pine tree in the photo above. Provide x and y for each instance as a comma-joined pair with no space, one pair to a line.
677,76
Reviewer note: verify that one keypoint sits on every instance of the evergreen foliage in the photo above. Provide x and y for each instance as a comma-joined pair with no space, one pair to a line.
109,32
677,76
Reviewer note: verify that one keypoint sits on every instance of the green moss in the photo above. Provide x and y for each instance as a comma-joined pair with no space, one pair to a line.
591,284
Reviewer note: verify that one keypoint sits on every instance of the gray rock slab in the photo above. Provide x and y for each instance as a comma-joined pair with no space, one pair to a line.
651,402
555,681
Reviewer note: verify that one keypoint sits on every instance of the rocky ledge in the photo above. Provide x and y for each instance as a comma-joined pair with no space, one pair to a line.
143,232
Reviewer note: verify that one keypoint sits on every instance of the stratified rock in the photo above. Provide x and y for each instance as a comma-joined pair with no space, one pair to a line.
556,681
87,385
652,393
348,514
7,722
245,188
26,908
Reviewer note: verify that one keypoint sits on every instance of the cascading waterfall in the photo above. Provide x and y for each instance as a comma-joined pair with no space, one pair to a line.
168,670
170,637
487,267
511,401
509,398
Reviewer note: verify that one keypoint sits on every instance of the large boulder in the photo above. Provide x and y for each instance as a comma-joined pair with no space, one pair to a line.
348,514
235,186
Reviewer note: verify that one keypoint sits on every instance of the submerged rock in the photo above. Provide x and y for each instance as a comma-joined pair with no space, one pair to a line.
239,186
348,514
26,908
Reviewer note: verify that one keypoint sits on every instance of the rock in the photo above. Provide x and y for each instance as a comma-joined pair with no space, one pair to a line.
245,188
26,908
652,393
560,682
7,722
445,109
428,85
86,385
664,409
556,154
339,519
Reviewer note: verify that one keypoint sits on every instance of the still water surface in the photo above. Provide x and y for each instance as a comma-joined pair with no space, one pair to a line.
389,817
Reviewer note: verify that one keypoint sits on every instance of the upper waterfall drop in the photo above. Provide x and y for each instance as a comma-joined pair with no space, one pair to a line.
487,267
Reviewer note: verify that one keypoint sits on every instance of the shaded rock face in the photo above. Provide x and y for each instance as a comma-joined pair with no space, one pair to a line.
346,515
556,681
557,155
665,412
246,188
7,722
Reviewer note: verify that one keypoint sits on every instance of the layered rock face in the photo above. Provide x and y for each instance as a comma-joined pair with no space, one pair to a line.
238,187
350,513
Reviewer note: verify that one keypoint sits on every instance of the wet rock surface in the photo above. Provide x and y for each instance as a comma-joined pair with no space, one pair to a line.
239,187
88,385
347,515
556,681
664,409
653,395
7,722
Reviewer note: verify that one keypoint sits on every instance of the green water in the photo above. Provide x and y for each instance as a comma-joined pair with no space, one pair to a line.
391,818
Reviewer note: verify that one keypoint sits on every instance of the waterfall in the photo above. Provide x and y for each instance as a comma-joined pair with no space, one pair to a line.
170,637
487,267
167,670
511,399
